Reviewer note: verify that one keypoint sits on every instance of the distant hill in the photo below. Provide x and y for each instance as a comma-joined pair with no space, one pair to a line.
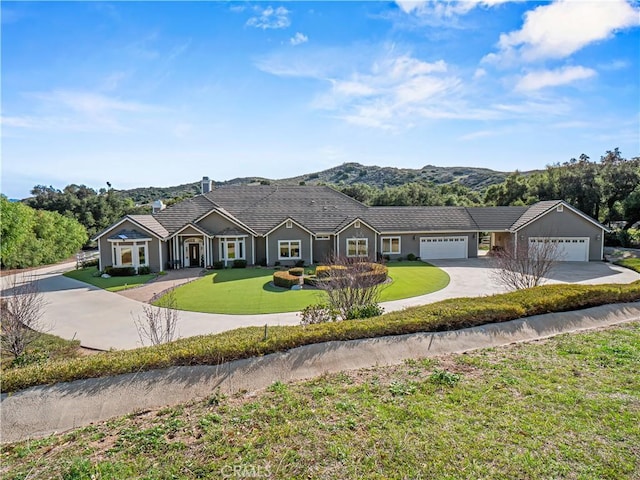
346,174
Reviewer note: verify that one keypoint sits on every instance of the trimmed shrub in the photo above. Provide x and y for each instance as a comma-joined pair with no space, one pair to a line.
239,263
218,265
297,271
120,271
299,263
323,271
285,279
411,257
144,270
249,342
90,263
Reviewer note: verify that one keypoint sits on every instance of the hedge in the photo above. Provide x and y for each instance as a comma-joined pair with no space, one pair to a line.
248,342
285,279
120,271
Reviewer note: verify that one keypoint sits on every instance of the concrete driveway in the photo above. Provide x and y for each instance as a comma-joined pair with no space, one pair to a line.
105,320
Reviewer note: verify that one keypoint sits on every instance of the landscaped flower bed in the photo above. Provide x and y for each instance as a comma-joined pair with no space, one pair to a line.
324,273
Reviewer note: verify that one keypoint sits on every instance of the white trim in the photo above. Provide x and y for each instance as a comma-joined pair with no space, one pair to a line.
195,227
382,250
229,217
116,254
310,249
553,209
253,250
99,258
362,222
127,217
562,240
358,240
288,219
289,243
161,268
267,247
119,240
240,246
602,246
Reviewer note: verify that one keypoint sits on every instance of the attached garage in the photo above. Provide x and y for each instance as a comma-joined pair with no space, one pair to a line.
441,247
569,249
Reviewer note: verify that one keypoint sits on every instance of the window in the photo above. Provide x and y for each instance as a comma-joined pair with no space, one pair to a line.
356,224
130,255
357,247
232,248
289,249
323,237
390,245
289,224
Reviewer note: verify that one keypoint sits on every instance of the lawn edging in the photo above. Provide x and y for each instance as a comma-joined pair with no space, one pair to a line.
43,410
630,263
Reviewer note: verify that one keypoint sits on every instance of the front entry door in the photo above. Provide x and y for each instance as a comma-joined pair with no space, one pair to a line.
194,254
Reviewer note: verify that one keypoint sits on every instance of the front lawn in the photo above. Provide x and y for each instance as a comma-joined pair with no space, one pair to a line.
113,284
249,291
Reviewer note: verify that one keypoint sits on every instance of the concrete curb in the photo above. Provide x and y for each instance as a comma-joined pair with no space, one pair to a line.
44,410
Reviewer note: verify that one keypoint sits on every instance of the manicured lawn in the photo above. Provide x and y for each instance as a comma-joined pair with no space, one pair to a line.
631,263
249,291
566,407
113,284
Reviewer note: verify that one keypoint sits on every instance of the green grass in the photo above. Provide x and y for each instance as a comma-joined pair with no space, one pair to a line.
45,348
113,284
566,407
452,314
249,291
631,263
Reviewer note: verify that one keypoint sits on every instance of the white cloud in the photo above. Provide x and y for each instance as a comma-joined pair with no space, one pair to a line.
440,8
559,29
479,73
552,78
298,38
270,18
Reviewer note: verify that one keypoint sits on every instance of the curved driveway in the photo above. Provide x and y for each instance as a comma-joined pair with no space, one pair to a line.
104,320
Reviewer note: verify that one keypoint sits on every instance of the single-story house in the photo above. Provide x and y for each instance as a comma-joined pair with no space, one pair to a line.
275,224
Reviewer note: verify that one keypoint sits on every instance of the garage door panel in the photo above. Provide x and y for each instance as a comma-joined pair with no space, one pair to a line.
443,247
570,249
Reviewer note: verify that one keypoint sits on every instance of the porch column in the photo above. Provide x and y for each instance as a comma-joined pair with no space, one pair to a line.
253,250
310,249
267,248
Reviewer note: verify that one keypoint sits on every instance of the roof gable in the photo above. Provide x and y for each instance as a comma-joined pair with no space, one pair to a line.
540,209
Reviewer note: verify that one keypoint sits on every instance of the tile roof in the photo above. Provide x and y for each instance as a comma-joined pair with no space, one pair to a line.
495,218
150,223
179,214
263,207
534,211
411,219
323,210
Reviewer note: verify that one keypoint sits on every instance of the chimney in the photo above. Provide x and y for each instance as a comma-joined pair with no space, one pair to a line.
158,206
205,185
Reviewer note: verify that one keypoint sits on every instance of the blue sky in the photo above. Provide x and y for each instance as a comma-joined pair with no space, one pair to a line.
146,93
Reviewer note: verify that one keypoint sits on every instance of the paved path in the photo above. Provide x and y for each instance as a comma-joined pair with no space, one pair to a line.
42,411
104,320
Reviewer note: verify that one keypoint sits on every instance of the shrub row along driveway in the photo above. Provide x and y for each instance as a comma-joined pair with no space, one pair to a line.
104,320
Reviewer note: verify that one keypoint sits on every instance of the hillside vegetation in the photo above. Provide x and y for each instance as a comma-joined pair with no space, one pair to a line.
565,407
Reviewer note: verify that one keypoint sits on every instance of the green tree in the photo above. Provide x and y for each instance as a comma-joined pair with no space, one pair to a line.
36,237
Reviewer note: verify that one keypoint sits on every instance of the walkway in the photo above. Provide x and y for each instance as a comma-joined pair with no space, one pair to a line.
103,320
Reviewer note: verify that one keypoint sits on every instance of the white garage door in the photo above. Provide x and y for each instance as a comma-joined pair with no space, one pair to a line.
432,248
570,249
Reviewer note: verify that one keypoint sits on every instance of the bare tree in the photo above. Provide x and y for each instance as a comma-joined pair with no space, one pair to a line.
21,310
352,283
527,264
158,324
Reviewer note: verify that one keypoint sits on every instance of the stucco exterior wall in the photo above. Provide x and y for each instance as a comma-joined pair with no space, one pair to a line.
565,224
293,233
